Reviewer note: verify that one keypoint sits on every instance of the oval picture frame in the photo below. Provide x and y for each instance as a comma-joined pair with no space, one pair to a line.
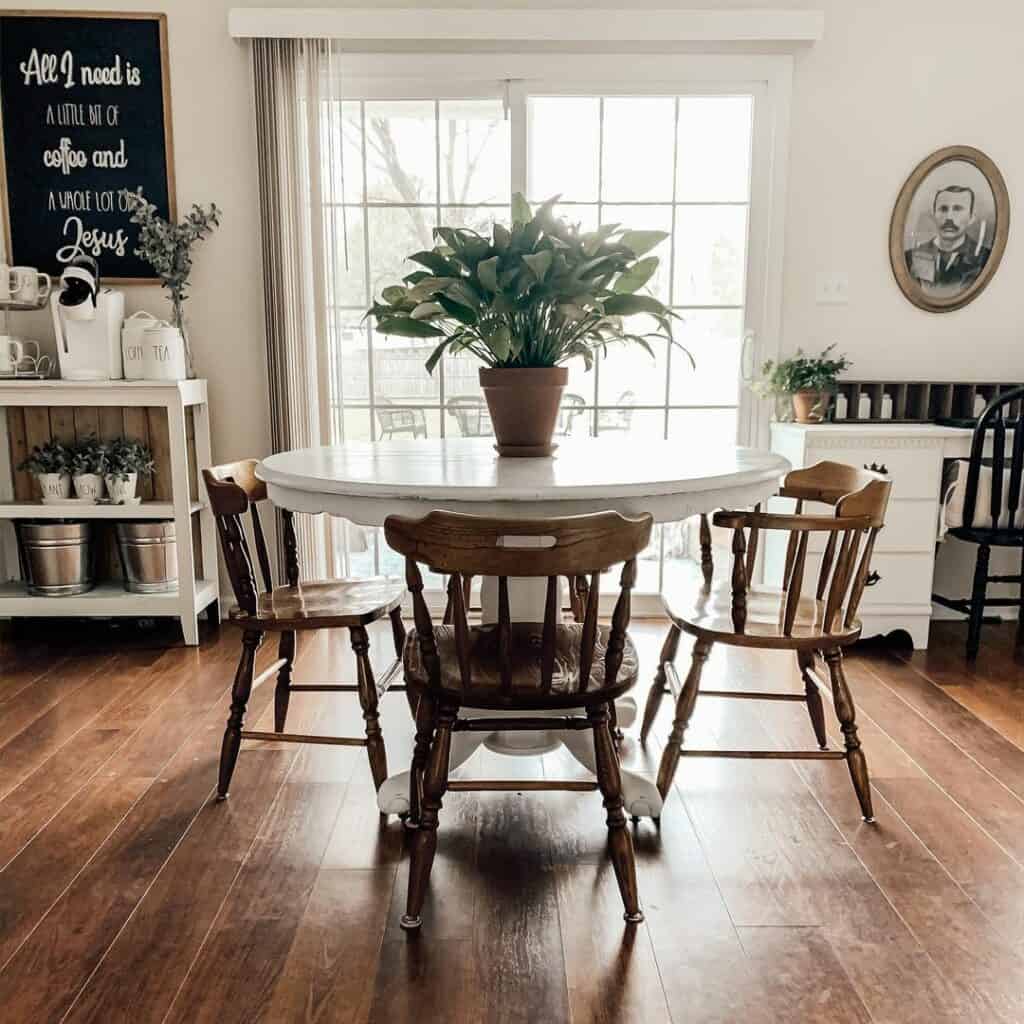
931,277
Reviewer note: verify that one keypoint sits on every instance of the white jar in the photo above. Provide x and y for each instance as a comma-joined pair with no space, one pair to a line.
131,342
163,353
89,486
54,485
122,489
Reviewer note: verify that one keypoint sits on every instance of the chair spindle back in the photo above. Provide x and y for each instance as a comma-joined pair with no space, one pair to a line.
1002,509
464,546
234,490
859,498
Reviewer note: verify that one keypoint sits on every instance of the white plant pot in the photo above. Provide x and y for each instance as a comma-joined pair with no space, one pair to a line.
54,485
120,490
88,485
163,354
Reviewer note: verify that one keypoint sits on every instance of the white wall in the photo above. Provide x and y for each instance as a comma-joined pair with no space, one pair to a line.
889,83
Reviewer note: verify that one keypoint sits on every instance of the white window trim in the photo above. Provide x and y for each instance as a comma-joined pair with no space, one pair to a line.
767,77
559,25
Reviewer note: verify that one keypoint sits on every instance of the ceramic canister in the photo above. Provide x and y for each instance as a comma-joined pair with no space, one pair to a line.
131,342
163,353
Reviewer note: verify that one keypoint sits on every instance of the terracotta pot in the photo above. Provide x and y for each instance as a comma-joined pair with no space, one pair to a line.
524,407
810,406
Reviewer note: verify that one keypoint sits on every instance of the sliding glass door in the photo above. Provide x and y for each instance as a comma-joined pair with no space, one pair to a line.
672,159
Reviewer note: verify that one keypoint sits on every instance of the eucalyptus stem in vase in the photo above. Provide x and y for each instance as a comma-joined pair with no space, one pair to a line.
167,248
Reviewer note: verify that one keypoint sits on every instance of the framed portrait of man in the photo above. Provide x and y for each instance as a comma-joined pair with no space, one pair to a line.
949,228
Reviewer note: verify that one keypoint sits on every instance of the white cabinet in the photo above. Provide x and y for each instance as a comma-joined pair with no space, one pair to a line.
912,455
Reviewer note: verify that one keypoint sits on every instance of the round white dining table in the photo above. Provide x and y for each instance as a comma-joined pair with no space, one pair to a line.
366,481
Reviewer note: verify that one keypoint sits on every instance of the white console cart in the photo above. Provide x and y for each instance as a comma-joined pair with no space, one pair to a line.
197,591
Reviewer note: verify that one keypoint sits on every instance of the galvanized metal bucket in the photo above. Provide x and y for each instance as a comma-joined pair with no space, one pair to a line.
149,556
57,557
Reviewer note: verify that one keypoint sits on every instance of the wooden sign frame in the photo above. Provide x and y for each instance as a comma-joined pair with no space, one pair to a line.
165,89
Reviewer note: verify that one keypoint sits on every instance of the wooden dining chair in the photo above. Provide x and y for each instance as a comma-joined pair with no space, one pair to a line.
734,613
999,528
234,492
517,667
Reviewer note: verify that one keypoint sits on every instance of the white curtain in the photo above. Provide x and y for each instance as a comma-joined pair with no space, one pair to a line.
296,83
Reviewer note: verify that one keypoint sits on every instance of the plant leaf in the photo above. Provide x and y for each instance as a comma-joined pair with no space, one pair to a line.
394,295
425,310
628,305
434,261
435,357
539,263
641,242
454,309
405,327
521,212
637,276
487,271
502,237
499,342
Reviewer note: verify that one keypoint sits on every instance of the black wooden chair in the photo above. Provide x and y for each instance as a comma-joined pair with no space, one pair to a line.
1000,530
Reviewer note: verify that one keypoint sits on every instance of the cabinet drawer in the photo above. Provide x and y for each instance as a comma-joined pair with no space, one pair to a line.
915,472
905,579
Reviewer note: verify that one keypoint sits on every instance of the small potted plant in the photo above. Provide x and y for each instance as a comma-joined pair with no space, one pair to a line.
525,301
88,465
127,460
167,248
50,463
807,381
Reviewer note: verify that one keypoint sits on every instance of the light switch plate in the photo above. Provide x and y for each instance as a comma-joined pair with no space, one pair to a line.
832,288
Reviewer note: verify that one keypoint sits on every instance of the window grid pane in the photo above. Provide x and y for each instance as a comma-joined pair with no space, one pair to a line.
412,164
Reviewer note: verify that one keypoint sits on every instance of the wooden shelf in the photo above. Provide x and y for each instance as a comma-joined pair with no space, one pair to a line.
106,599
37,510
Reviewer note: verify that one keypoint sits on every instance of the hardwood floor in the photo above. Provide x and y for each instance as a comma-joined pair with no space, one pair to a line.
127,894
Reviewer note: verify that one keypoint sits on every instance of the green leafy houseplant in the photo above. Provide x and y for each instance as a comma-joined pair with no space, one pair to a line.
50,457
533,295
125,456
167,248
808,379
525,301
89,456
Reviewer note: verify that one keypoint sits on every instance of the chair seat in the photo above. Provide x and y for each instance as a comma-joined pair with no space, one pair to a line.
1012,537
706,611
526,677
323,604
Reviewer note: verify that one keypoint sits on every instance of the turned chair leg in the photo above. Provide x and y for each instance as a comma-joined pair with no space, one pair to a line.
240,690
397,631
684,710
368,702
420,752
609,779
707,562
815,706
286,650
435,784
657,690
977,601
846,714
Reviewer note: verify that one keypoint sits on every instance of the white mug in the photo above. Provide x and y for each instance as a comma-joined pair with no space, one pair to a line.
12,352
28,284
7,282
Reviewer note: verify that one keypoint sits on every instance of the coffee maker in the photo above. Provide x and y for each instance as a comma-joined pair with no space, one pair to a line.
87,322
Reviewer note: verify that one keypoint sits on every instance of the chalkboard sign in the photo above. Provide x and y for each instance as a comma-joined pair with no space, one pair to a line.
85,105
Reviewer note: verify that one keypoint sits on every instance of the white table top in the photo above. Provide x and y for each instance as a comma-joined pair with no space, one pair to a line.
366,481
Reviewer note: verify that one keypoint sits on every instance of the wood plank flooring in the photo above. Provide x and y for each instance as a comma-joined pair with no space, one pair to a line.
126,894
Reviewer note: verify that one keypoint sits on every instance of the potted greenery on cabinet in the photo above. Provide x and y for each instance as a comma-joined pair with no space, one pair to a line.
126,461
50,463
807,382
524,302
88,465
